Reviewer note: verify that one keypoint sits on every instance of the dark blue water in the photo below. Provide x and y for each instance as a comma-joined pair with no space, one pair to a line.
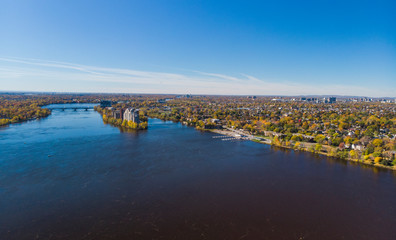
70,176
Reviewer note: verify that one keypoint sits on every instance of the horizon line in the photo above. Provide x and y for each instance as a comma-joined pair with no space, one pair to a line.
178,94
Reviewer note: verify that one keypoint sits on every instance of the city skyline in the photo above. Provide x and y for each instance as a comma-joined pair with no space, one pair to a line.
222,48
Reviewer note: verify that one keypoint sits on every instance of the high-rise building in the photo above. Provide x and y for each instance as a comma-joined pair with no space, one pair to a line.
131,114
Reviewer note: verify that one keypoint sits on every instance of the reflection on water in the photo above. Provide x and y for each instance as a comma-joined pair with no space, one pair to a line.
70,176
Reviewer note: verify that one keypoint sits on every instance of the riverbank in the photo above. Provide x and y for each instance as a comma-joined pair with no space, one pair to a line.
301,146
23,114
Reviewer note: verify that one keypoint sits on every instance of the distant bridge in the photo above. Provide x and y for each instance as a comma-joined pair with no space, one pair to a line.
72,108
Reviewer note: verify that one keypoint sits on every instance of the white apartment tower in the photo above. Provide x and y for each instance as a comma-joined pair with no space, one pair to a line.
131,114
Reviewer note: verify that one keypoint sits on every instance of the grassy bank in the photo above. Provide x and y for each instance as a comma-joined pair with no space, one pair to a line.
344,154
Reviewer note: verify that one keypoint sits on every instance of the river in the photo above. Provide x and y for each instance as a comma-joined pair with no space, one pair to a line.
70,176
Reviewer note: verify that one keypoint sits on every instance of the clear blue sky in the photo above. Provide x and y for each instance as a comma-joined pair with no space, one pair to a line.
199,47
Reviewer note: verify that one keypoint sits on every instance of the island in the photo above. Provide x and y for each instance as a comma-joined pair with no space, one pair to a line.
122,117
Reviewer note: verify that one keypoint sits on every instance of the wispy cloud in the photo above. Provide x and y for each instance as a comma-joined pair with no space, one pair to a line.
41,75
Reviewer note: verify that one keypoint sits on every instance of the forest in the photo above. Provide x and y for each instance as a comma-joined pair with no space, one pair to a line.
16,109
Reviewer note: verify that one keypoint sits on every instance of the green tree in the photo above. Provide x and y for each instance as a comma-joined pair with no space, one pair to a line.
353,154
318,147
377,142
319,138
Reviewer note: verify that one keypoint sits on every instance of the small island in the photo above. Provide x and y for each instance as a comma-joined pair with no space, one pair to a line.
122,117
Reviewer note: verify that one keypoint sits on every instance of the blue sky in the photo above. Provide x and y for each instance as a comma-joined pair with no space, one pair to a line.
199,47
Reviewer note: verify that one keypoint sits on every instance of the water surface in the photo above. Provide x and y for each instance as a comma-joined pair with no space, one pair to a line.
70,176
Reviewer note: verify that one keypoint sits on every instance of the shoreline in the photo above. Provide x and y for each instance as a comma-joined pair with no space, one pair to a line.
253,138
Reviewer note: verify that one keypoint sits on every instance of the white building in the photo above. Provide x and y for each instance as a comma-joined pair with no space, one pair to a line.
131,114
